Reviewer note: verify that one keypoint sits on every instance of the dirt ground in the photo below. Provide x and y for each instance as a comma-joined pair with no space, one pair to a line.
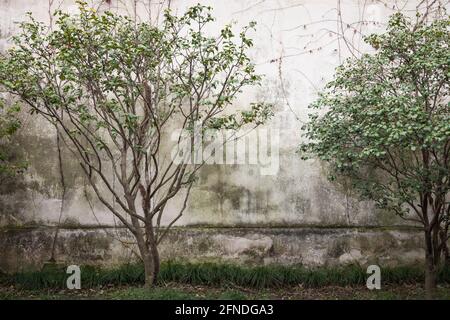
187,292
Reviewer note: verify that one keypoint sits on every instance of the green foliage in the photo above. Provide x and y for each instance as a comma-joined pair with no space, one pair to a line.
116,89
384,121
221,275
9,124
96,68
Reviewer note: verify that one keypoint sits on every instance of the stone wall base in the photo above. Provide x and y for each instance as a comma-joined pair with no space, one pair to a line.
30,248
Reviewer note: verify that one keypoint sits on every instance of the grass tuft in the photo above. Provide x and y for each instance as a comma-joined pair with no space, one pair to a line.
213,274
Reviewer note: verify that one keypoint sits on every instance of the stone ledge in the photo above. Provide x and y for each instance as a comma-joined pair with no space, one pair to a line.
219,226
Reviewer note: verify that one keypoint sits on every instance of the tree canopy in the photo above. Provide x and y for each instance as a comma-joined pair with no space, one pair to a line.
383,123
117,88
387,120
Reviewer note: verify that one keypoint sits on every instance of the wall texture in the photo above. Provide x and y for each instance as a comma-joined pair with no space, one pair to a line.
236,213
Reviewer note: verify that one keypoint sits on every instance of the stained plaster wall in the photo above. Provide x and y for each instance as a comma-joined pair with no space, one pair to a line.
295,215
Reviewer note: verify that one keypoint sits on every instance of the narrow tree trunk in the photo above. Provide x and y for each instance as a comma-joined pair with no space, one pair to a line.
151,267
445,251
150,257
151,246
430,278
150,274
430,267
156,262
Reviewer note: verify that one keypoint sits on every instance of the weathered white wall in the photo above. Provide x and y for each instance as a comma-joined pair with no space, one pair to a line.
298,44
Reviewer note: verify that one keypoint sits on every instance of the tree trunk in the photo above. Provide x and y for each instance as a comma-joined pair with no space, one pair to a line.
150,258
152,247
445,251
151,266
430,267
430,278
156,262
150,270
